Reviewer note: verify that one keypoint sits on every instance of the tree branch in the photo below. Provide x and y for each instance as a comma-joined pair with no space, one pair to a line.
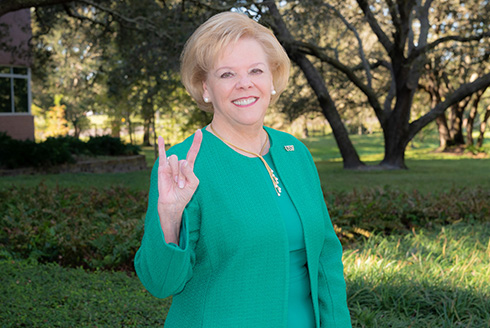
73,14
421,50
382,37
462,92
364,61
14,5
317,52
138,23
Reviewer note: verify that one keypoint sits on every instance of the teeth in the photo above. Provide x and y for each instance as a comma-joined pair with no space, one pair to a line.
243,102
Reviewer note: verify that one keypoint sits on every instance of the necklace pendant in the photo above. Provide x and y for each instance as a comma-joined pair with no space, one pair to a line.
275,181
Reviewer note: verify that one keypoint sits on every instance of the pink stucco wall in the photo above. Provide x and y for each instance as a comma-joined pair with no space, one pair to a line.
19,126
14,47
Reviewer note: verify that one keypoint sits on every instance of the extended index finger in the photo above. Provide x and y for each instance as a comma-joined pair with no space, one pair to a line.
162,155
194,150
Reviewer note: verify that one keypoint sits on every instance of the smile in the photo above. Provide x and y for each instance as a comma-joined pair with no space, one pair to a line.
245,101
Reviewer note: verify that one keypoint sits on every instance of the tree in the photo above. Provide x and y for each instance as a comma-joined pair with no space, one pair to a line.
136,47
402,29
74,56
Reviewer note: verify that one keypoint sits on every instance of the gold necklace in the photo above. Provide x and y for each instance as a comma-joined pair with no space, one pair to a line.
274,179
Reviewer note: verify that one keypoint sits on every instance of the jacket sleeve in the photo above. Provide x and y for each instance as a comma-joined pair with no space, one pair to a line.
163,268
332,298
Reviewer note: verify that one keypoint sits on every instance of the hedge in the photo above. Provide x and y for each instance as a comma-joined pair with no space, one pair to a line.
60,150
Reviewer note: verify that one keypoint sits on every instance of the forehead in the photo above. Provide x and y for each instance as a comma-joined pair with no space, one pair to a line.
245,51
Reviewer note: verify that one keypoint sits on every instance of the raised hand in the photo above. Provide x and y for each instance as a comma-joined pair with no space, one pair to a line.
176,185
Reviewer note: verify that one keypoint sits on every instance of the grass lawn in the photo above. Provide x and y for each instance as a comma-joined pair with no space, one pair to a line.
428,171
47,295
429,278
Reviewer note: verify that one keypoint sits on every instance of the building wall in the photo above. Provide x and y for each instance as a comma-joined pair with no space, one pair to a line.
14,52
19,126
16,33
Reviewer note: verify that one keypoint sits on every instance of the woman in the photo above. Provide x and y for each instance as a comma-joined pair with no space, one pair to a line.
236,228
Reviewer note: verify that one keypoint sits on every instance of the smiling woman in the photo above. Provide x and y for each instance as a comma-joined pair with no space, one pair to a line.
236,228
240,88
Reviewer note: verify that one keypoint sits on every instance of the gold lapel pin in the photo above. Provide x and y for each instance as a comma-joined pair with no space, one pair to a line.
289,148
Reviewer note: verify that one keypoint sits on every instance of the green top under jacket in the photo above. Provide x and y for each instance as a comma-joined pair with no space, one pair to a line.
231,268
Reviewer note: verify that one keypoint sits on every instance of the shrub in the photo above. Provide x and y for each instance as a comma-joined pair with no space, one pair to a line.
359,213
58,150
103,228
17,153
107,145
90,228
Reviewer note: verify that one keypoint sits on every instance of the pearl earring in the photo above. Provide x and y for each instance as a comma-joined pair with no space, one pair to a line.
206,100
273,92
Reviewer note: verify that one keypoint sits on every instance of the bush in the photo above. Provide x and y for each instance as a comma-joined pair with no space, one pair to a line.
360,213
102,229
90,228
17,153
107,145
58,150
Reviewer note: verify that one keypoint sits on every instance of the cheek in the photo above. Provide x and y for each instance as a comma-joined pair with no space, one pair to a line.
222,89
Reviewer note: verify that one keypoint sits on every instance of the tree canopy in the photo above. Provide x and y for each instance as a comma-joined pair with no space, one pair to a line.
404,63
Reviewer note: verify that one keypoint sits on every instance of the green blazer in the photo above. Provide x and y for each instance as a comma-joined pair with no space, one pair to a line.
231,268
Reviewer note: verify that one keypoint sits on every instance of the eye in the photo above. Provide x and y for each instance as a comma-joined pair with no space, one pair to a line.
256,71
226,75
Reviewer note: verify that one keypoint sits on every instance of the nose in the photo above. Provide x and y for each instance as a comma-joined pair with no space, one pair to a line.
244,82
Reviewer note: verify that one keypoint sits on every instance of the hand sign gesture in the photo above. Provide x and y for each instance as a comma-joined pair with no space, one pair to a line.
176,185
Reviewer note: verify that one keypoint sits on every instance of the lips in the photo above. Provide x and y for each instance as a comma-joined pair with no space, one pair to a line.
245,101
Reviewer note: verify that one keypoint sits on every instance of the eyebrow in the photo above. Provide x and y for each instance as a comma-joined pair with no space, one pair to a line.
228,67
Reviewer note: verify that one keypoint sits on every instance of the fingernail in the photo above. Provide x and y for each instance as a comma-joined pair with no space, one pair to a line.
185,164
181,184
176,178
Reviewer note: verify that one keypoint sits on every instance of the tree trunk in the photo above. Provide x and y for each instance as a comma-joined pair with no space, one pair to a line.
146,132
115,128
395,131
456,123
306,133
470,122
443,132
483,126
349,154
130,129
472,116
395,146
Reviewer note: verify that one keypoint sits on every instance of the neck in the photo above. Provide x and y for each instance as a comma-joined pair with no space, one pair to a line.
249,138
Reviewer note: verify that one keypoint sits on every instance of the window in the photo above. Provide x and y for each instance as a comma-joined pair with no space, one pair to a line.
15,90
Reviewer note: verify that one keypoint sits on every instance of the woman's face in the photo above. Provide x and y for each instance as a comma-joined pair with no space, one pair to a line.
239,85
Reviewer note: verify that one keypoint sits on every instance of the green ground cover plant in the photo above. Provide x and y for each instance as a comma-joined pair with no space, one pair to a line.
96,229
48,295
102,228
436,277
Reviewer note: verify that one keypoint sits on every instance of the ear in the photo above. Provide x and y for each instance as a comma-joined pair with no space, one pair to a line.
205,93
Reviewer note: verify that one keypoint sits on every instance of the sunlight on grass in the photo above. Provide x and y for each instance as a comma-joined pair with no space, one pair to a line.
371,148
427,278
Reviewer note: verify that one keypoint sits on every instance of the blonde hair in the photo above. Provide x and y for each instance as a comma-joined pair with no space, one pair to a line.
213,36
